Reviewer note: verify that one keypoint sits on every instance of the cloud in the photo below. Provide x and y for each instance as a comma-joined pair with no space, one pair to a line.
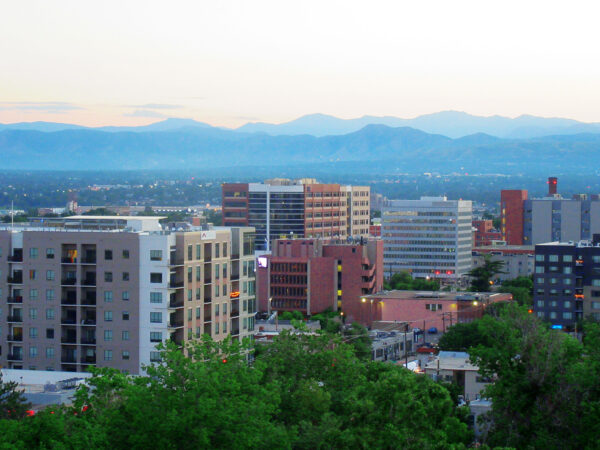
47,107
156,106
146,113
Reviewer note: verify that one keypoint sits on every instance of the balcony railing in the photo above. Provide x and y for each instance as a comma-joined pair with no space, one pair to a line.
69,281
175,284
89,260
68,301
17,299
88,322
68,321
15,258
88,341
15,338
175,324
89,282
68,359
68,260
68,340
15,318
88,360
15,357
175,304
88,302
15,279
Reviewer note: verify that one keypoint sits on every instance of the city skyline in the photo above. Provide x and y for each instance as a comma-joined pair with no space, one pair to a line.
230,63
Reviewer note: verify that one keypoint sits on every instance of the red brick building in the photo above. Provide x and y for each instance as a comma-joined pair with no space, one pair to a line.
484,233
312,275
426,309
511,209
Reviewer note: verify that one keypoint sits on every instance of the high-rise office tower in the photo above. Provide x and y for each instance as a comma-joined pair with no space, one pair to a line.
430,237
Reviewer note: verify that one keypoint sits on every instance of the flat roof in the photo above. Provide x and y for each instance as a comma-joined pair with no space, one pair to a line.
114,217
430,295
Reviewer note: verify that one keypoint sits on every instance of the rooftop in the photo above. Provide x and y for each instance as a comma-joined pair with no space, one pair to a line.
428,295
451,361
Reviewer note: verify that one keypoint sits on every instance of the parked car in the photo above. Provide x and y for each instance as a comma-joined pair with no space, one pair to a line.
432,330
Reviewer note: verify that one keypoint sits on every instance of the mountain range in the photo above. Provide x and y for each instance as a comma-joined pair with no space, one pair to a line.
453,124
375,148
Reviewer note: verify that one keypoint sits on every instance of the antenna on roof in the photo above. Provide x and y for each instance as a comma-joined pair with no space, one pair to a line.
12,215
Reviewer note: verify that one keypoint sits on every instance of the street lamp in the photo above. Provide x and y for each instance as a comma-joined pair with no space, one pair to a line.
269,306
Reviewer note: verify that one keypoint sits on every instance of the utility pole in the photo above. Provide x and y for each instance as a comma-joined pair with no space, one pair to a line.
443,322
405,351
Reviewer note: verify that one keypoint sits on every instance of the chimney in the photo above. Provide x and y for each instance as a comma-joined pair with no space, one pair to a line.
552,185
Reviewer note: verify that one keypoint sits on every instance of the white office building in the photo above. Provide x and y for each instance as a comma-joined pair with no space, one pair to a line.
430,237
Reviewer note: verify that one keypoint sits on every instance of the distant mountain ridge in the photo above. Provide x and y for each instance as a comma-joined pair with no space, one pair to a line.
382,148
453,124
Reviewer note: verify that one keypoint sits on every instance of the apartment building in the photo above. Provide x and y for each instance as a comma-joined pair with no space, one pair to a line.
566,283
313,275
517,259
552,218
282,208
430,237
103,291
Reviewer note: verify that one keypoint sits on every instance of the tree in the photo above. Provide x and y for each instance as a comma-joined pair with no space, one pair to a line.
404,281
481,277
521,288
12,403
463,336
358,337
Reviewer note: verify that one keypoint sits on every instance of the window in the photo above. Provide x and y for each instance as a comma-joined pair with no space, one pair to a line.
125,276
198,313
156,277
190,295
540,303
224,327
568,281
33,294
216,327
567,304
540,280
216,290
108,316
198,273
125,296
539,258
217,271
156,317
49,333
32,352
224,289
217,250
224,249
539,269
50,313
567,258
125,354
125,315
154,356
553,281
216,310
33,313
224,270
567,315
108,355
155,297
125,254
224,308
108,296
33,333
49,275
198,293
198,251
108,335
108,277
553,303
189,314
108,255
33,253
567,269
540,314
50,253
49,352
50,295
190,254
553,258
595,305
189,274
596,282
155,255
125,335
155,336
245,323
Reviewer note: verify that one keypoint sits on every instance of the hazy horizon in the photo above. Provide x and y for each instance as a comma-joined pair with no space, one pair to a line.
229,63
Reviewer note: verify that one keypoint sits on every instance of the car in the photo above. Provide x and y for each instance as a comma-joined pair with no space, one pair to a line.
432,330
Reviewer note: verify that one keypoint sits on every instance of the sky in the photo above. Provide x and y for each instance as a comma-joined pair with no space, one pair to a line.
226,63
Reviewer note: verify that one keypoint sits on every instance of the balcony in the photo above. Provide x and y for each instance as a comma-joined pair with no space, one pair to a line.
89,281
68,260
15,258
15,279
68,301
89,322
88,341
235,331
89,260
88,359
15,318
14,338
175,324
69,282
176,304
88,301
15,357
17,299
175,284
68,340
68,321
207,280
68,359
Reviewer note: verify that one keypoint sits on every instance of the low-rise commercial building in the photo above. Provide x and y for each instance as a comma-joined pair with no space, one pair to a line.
518,260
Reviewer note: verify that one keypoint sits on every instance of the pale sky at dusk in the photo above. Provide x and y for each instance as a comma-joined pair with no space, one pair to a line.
229,62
